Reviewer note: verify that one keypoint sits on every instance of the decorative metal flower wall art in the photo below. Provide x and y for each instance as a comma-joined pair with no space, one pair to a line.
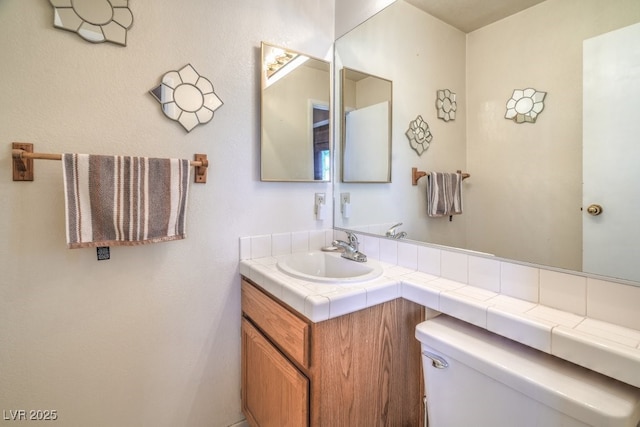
96,21
187,97
446,105
525,105
419,135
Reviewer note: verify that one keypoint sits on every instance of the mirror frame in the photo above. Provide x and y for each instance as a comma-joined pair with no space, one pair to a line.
328,104
343,124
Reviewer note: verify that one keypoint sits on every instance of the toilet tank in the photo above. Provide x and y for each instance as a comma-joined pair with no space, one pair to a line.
476,378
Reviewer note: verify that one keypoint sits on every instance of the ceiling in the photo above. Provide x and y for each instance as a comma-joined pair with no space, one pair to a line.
469,15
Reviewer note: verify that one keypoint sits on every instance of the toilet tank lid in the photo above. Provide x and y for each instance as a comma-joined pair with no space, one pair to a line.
576,391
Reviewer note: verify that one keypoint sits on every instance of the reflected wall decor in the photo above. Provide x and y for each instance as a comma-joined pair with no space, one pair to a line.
186,97
96,21
525,105
446,105
419,135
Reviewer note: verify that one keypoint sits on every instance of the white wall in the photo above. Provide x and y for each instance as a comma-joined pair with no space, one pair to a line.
532,173
152,336
350,13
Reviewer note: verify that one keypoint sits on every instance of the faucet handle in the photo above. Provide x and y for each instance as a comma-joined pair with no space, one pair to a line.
392,230
353,239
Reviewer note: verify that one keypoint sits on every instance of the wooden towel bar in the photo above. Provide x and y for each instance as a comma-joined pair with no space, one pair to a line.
23,155
416,175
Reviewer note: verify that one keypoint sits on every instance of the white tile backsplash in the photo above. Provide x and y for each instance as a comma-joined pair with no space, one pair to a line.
260,246
371,247
519,281
280,244
614,302
563,291
454,266
317,240
408,255
389,251
484,273
429,260
299,241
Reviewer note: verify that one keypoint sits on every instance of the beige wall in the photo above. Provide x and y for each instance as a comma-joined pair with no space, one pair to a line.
152,336
420,55
287,138
532,173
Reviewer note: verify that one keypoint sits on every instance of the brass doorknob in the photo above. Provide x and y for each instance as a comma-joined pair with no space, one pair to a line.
594,210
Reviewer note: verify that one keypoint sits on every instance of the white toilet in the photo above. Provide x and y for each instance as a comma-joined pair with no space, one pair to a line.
476,378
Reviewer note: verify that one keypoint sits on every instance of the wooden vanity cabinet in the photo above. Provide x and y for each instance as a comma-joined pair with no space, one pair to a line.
360,369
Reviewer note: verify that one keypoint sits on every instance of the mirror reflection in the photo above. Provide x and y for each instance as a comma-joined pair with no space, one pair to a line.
366,127
96,21
524,200
295,116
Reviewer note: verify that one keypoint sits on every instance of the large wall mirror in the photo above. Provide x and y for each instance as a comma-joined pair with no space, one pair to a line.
366,111
524,200
295,116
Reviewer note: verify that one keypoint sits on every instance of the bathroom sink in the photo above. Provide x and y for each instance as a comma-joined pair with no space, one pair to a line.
328,267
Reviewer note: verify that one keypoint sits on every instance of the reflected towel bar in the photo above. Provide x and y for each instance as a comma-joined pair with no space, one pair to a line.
23,155
416,175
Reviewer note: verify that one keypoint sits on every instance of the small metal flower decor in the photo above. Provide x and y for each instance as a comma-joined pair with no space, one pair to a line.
525,105
96,21
446,105
187,97
419,135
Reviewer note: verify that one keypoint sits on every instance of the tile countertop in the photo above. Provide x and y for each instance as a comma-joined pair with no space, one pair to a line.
600,346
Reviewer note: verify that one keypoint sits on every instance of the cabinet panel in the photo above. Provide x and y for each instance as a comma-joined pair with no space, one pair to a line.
274,392
285,329
367,368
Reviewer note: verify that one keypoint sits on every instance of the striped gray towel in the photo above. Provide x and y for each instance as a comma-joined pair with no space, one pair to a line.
123,201
444,194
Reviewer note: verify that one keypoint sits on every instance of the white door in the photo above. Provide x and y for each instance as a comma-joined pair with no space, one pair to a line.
366,150
611,153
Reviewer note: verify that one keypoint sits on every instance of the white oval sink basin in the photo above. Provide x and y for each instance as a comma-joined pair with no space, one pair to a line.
328,267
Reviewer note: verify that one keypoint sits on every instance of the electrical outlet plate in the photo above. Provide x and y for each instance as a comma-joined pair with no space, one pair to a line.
345,198
320,198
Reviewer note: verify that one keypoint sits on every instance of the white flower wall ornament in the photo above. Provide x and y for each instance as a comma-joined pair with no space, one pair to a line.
187,97
525,105
419,135
446,105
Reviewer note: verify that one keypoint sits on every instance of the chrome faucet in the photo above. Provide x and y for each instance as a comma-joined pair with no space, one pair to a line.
393,233
350,248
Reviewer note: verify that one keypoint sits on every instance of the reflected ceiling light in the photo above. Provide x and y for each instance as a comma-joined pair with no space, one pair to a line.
280,62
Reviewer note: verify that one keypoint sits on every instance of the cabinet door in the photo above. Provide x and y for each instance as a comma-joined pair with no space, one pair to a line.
274,392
